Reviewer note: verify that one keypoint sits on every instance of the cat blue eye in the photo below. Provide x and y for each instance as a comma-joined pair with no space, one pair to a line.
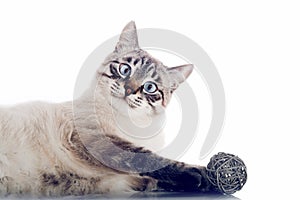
150,87
124,70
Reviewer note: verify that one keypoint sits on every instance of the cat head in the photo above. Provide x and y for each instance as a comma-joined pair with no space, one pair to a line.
135,80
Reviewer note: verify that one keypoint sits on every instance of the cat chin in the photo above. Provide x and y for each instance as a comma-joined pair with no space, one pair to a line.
135,118
140,126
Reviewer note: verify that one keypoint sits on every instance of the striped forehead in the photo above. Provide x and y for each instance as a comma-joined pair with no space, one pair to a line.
145,67
139,60
149,69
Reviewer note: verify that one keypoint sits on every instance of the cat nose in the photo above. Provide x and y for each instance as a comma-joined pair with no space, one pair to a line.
128,90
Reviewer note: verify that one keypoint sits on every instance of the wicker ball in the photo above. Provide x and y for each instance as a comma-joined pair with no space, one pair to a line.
227,173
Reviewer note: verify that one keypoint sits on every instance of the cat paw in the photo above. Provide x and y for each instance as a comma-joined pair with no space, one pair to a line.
145,184
198,179
187,179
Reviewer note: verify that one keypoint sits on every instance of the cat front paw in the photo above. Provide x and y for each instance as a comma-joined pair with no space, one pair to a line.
185,179
197,179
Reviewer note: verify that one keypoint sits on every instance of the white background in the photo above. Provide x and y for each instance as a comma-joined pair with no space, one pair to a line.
254,44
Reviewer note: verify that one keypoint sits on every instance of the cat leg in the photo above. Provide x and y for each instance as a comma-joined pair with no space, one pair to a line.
124,157
127,184
68,183
169,175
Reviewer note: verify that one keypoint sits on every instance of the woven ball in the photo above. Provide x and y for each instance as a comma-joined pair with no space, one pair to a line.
227,173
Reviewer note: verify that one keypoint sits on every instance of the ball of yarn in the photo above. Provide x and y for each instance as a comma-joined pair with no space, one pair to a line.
227,173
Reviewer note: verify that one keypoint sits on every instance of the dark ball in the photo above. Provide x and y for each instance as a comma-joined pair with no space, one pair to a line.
227,173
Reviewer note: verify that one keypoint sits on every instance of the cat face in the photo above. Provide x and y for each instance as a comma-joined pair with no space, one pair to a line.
137,81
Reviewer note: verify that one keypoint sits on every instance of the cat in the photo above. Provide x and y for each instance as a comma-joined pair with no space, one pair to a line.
83,147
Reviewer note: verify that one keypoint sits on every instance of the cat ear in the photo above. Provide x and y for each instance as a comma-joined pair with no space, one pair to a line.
128,39
181,73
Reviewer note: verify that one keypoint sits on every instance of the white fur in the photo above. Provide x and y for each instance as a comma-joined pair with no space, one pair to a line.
32,137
